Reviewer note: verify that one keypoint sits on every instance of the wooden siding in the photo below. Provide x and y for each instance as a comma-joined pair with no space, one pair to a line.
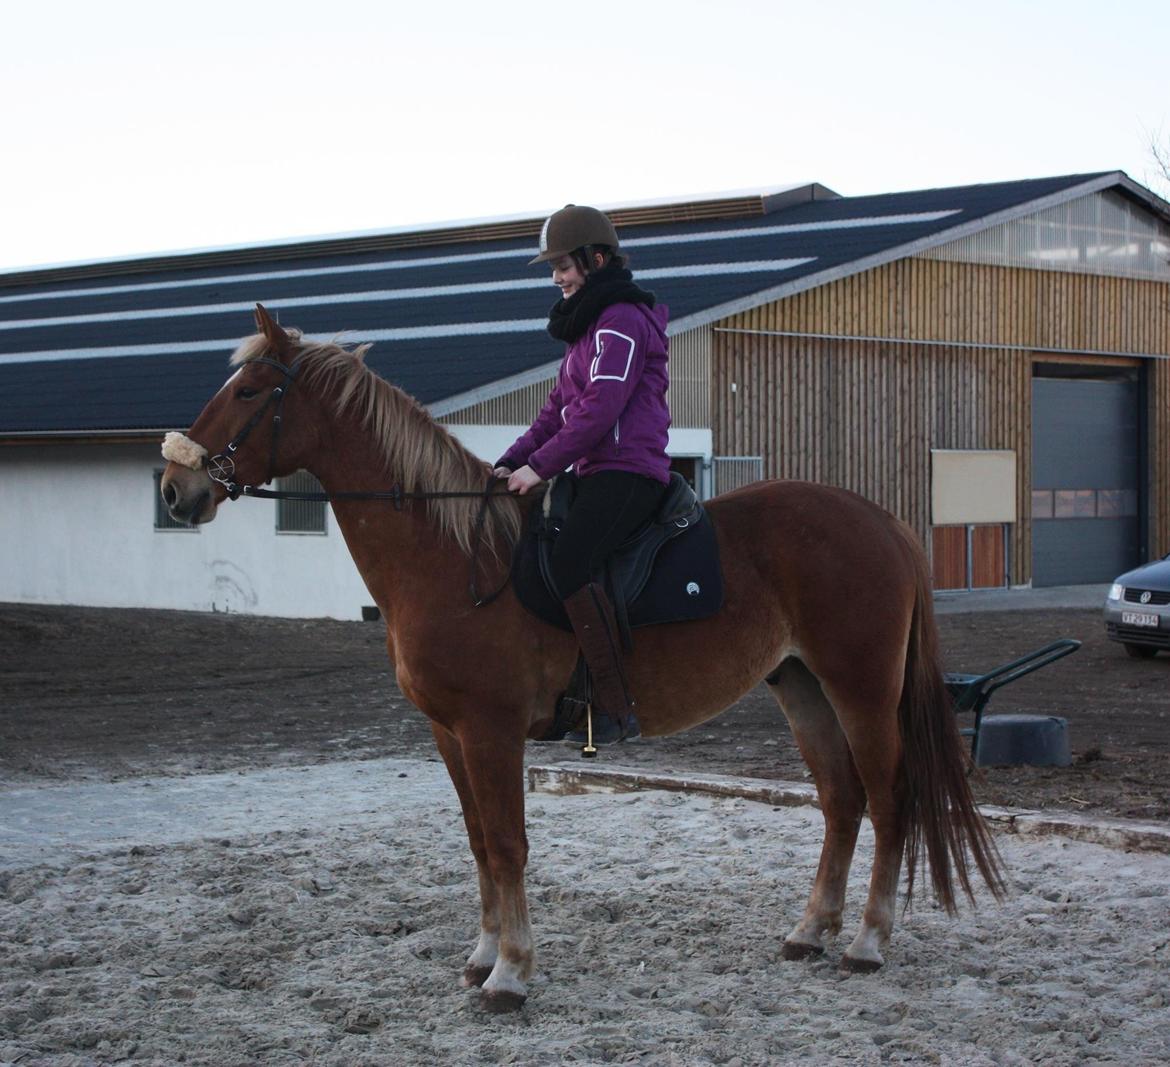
690,378
853,383
690,394
864,415
987,557
948,557
517,408
929,300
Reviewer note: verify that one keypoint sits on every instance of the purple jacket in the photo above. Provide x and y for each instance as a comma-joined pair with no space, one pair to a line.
608,408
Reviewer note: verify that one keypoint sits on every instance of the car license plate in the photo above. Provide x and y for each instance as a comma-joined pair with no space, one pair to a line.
1138,618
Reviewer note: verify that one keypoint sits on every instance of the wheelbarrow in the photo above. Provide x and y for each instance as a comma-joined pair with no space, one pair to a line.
971,692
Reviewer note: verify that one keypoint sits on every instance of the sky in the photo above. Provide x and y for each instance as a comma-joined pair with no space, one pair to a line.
132,127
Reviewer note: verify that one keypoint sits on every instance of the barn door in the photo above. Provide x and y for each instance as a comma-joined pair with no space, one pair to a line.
1086,470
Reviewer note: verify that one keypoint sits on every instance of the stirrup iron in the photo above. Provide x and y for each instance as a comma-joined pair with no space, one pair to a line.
589,749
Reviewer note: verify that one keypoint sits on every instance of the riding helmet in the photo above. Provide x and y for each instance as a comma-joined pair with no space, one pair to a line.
571,228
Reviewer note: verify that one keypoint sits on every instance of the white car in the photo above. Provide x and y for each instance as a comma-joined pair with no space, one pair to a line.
1137,610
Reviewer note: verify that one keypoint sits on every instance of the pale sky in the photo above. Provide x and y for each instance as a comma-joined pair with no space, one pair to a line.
131,126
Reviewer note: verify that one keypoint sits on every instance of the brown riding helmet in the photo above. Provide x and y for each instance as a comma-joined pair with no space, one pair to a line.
571,228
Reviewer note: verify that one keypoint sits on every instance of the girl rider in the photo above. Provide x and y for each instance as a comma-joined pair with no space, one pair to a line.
607,417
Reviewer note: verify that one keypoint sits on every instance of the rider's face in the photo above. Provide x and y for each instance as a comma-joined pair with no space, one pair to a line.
567,276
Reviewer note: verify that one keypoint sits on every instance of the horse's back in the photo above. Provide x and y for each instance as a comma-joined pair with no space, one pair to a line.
818,532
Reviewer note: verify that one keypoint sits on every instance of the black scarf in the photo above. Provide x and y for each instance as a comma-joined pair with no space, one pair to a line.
569,319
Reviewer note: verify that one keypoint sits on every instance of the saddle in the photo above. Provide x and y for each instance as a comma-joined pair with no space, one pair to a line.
667,571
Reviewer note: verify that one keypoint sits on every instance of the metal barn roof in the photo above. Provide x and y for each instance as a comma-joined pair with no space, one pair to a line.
138,346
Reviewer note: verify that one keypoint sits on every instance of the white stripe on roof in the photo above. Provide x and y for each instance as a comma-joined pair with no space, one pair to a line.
795,227
762,266
271,275
868,221
407,333
747,266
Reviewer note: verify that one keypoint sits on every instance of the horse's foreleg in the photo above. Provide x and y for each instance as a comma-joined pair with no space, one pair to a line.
483,959
826,751
495,773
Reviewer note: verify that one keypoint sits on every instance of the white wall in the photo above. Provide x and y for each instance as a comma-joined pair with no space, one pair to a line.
77,527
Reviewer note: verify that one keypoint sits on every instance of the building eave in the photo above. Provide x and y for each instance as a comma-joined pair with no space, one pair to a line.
75,437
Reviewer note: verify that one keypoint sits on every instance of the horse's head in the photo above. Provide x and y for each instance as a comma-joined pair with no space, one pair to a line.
248,433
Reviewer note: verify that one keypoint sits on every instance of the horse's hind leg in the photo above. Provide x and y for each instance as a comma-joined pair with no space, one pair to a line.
870,722
826,751
483,959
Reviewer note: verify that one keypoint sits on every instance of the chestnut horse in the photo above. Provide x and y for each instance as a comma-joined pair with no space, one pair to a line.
827,598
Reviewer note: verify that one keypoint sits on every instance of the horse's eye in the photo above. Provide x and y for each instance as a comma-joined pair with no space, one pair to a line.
244,393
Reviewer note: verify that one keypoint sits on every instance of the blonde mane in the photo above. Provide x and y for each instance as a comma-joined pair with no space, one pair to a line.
419,453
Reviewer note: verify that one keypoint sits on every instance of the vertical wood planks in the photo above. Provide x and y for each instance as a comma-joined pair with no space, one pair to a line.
864,414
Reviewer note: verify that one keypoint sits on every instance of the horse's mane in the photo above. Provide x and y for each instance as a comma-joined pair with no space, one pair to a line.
423,456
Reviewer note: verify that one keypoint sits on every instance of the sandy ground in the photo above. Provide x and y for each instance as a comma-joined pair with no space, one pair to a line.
267,866
322,915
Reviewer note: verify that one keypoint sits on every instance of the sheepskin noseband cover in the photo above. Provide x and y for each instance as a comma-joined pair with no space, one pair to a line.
179,448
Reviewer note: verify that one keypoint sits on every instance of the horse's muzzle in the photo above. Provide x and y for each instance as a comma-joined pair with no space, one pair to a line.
189,495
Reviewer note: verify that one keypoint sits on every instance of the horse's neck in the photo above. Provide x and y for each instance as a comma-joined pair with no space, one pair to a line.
391,546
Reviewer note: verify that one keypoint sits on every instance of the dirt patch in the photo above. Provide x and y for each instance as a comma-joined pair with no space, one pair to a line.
102,694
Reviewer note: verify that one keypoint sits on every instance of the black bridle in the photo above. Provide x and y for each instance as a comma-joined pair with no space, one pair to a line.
222,466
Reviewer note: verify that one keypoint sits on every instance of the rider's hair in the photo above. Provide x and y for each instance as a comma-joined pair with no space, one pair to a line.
583,258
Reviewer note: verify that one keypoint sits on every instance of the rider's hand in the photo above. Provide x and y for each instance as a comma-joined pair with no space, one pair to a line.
503,472
523,480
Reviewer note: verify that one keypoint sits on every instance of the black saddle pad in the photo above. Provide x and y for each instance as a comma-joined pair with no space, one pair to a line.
685,584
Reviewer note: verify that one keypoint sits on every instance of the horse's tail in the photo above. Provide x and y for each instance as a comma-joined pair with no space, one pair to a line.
938,808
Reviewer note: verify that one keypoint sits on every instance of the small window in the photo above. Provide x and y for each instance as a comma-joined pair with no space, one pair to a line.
1041,503
1074,504
300,516
162,517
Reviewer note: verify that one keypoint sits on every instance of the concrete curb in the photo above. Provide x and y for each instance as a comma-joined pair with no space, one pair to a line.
1126,834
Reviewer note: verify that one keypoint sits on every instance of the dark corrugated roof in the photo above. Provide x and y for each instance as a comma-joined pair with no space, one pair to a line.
118,352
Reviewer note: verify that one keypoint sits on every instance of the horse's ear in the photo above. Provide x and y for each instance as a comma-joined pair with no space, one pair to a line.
270,328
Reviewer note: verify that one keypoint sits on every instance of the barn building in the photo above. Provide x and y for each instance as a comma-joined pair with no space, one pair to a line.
988,362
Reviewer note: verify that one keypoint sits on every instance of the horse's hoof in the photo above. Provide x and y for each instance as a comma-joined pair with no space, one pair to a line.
853,965
501,1002
796,950
474,975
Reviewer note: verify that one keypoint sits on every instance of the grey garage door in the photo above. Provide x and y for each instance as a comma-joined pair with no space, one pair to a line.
1085,479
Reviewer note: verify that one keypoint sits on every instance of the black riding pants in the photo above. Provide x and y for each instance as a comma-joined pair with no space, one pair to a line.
610,505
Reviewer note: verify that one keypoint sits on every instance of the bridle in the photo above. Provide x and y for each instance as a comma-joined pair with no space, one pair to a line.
222,466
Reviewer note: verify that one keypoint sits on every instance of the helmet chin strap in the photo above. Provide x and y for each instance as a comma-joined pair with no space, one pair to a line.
179,448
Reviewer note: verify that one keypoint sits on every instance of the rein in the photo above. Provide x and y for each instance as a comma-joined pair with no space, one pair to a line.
397,496
222,466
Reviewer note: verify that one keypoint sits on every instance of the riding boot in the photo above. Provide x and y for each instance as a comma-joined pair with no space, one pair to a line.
593,620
